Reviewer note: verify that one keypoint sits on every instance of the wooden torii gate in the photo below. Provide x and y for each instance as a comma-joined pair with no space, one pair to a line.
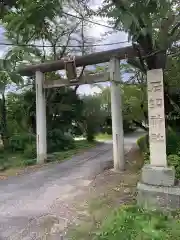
113,56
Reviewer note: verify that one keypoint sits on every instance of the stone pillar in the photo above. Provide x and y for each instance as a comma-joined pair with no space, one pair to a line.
117,120
157,173
40,119
156,188
157,133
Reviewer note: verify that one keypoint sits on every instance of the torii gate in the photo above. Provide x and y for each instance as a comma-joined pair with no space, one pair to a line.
113,56
157,174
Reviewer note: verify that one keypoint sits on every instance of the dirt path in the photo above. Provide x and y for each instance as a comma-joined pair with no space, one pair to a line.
40,205
106,192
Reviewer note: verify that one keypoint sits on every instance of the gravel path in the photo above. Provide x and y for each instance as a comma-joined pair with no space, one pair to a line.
29,203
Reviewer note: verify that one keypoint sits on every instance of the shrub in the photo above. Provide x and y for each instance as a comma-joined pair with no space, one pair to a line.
58,141
29,162
90,135
30,151
143,144
106,129
174,160
4,163
146,157
128,126
172,142
134,223
18,142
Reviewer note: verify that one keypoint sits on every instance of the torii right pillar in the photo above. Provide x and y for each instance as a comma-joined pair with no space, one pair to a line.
157,186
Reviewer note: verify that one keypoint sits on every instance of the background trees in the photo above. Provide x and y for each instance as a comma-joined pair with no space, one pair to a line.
152,27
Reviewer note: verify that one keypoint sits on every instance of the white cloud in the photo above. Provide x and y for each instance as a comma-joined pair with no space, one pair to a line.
88,89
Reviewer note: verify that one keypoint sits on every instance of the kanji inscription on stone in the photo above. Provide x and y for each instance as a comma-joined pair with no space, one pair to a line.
157,134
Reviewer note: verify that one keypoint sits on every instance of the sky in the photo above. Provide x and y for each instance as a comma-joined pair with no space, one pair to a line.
97,32
2,40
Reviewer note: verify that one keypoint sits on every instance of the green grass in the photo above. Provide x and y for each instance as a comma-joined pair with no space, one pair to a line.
18,161
127,223
80,146
133,223
11,160
96,210
103,137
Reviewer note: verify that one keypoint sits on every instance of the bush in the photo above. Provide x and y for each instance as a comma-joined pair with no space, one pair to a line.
29,162
106,129
30,151
172,142
134,223
18,142
90,135
174,160
58,141
4,163
128,126
143,143
172,148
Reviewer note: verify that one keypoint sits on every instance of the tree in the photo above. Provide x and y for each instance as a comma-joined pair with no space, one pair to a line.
22,15
64,107
152,25
153,28
7,77
137,82
131,102
133,111
59,31
93,116
46,22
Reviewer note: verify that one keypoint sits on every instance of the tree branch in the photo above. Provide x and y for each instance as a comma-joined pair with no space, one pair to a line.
139,124
67,42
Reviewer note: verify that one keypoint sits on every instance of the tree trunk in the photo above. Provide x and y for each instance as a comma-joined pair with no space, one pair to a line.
156,60
4,123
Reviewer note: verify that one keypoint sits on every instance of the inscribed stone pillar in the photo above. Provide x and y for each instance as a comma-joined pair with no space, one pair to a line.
157,133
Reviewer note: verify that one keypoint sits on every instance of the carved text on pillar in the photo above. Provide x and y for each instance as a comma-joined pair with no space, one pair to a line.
157,136
155,102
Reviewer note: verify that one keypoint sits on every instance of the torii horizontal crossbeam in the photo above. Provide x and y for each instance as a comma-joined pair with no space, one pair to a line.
94,58
86,79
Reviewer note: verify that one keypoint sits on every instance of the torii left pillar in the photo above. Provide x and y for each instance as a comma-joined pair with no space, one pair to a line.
41,135
116,112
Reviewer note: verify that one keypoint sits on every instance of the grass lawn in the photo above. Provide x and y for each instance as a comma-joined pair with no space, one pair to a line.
12,164
133,223
103,137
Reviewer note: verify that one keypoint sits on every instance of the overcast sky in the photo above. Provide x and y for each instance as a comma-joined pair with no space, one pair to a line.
95,31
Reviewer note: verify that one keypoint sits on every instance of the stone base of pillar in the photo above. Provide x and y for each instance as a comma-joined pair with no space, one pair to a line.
158,176
158,197
157,188
41,158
